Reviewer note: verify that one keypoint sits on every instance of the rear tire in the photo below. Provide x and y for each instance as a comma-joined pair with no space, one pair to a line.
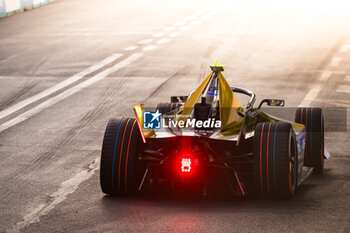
119,157
275,160
312,118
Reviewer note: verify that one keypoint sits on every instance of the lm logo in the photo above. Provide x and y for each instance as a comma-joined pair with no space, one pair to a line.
151,120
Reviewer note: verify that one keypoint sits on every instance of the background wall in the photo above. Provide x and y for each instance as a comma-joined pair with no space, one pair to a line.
9,7
2,8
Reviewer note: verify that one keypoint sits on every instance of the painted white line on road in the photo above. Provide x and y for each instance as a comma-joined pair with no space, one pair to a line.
189,18
58,86
347,78
325,75
311,95
149,47
158,34
69,92
343,89
146,41
168,29
67,187
97,33
185,28
179,23
215,12
130,48
335,61
239,32
196,22
174,34
64,34
345,48
163,41
202,11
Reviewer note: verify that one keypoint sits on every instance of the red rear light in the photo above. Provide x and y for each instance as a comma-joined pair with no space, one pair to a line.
186,165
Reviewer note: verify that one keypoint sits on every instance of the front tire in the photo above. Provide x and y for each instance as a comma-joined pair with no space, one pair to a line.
275,160
119,157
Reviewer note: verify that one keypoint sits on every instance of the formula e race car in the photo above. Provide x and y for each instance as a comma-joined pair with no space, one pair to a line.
209,135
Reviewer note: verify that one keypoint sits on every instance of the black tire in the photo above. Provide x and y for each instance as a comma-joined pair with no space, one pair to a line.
167,107
312,118
275,160
119,157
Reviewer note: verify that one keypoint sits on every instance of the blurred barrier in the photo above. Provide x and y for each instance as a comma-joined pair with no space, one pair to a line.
335,118
10,7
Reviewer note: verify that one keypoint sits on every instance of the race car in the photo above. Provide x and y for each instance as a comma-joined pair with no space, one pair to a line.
210,135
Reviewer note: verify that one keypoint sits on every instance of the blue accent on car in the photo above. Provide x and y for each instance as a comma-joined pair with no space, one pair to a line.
212,93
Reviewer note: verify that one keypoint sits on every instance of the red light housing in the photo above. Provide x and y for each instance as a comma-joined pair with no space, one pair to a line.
186,165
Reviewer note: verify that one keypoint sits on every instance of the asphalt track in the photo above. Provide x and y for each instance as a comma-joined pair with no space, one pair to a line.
68,67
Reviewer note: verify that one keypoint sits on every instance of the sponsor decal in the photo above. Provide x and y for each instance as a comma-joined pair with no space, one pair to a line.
152,120
192,123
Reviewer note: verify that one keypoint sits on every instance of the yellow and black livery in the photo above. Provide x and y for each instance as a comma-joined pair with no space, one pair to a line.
251,150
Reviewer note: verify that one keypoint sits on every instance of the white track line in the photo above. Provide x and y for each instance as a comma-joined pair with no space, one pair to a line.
68,92
58,86
335,61
146,41
196,22
343,89
168,29
149,47
158,34
202,11
130,48
180,23
217,11
345,48
174,34
67,187
185,28
163,41
311,95
325,75
189,18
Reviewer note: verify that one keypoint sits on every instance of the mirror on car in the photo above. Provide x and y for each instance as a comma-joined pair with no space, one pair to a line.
272,102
